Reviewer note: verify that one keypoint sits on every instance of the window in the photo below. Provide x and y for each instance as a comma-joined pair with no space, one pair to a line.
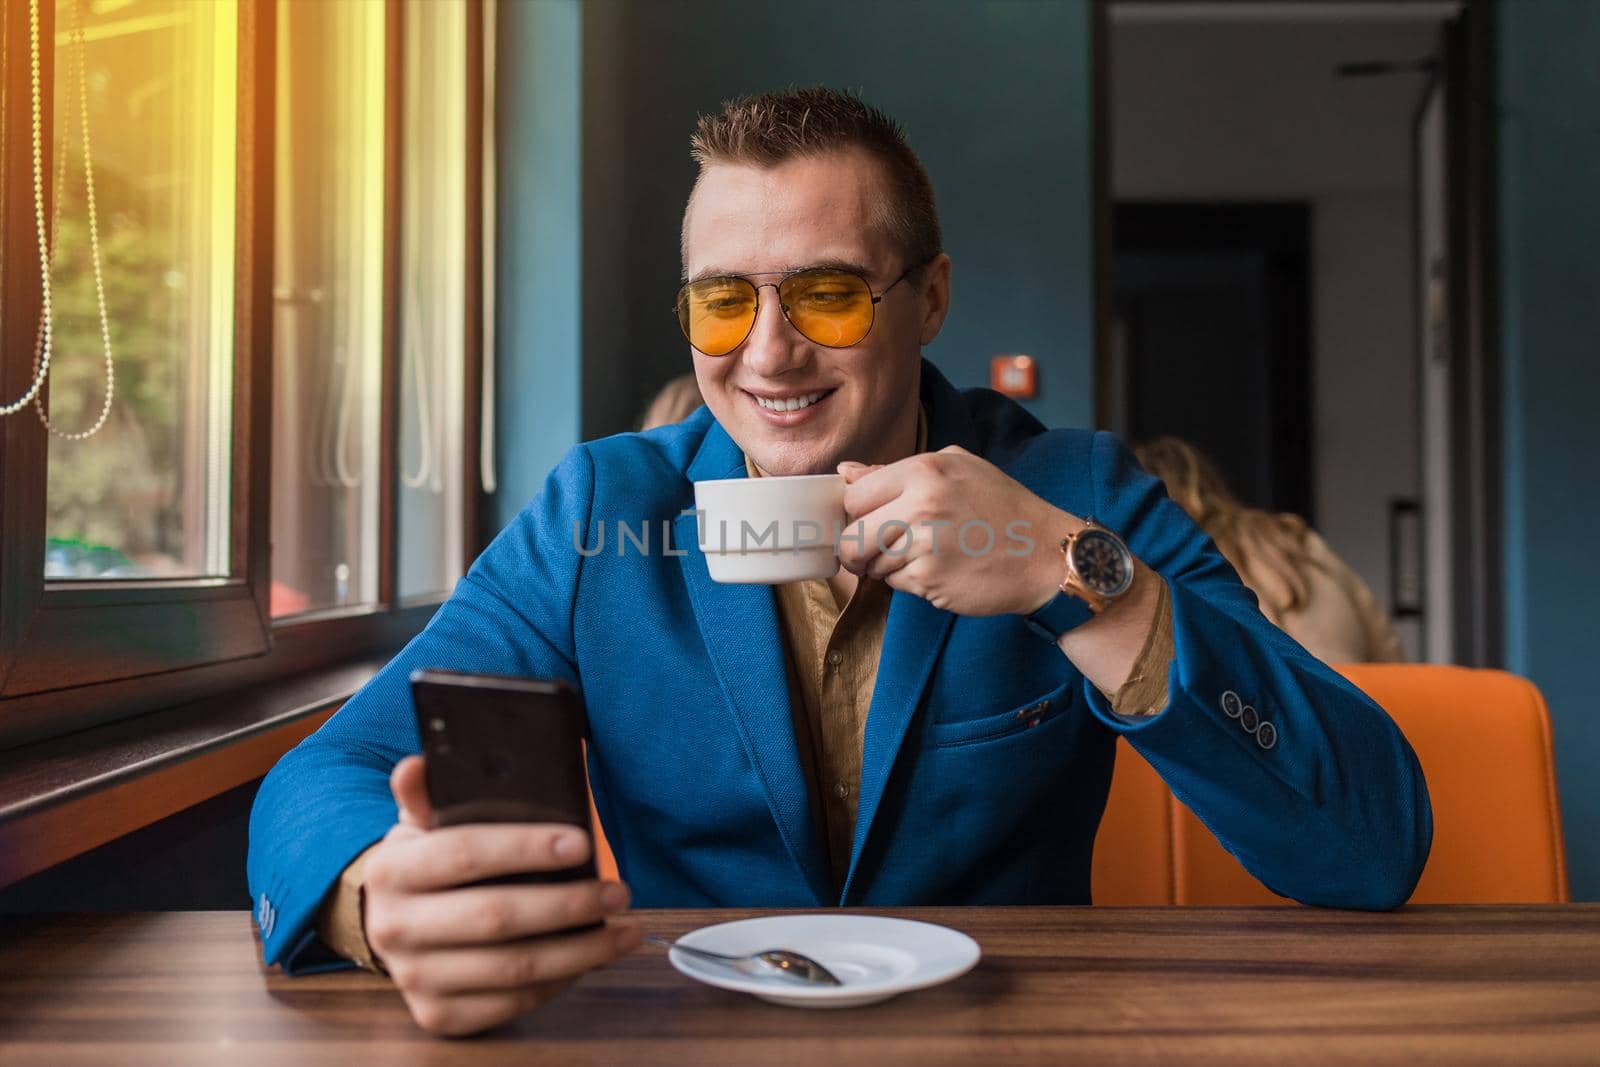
328,326
433,299
287,233
148,90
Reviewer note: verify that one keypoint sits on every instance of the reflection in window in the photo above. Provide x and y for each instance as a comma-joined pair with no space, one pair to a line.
328,303
432,298
146,496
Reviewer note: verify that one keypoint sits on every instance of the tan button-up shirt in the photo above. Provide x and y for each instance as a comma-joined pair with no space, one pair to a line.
833,664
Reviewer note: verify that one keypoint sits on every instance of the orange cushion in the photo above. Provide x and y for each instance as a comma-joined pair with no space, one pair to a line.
1483,739
1133,847
603,859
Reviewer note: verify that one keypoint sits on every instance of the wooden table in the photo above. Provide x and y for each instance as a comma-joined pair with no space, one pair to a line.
1490,985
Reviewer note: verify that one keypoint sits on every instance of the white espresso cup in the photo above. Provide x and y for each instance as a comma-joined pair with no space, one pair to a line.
770,530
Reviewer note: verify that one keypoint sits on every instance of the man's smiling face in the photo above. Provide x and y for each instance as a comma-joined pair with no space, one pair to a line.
794,406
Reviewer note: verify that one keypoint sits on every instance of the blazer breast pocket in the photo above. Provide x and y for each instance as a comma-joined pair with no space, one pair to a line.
1019,720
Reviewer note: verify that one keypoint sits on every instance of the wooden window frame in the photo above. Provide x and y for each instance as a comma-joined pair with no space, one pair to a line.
78,654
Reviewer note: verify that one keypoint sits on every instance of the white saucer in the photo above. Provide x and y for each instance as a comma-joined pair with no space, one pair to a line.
874,957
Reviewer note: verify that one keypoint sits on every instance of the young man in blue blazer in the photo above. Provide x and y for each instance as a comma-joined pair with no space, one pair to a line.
933,725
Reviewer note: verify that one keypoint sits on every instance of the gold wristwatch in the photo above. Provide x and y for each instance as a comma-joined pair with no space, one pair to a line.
1099,566
1099,570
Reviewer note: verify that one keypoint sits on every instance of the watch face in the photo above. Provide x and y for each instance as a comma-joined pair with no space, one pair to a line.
1102,564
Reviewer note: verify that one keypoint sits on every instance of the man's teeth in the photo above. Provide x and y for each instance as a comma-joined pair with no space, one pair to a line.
793,403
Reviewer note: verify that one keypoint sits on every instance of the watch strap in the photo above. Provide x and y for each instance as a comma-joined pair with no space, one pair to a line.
1059,614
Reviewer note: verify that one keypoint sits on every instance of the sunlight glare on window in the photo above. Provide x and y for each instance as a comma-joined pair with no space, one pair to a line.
433,299
328,307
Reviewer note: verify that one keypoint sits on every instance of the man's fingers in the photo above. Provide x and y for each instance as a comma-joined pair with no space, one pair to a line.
517,965
454,856
854,472
487,915
874,488
866,542
900,548
472,1013
409,784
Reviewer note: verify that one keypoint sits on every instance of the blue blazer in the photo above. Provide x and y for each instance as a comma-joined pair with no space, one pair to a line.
693,758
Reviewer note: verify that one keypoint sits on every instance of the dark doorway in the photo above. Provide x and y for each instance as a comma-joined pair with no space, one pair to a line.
1212,306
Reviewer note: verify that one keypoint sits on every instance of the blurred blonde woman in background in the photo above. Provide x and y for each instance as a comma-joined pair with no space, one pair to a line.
676,401
1307,591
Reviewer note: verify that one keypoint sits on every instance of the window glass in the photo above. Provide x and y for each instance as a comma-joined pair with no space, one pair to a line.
147,495
432,298
328,306
7,45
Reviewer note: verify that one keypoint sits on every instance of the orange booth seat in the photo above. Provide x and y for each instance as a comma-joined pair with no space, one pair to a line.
1483,738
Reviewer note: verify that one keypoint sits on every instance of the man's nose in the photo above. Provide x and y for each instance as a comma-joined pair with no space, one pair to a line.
774,347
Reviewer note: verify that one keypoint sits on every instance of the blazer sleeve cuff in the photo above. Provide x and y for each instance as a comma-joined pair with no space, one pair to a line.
287,906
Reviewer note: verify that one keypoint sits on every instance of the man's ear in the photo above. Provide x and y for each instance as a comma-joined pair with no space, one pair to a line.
935,297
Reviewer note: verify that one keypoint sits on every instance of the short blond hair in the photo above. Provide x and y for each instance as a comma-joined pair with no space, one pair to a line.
772,128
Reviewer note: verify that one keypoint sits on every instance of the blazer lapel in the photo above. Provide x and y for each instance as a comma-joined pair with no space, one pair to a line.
912,640
740,626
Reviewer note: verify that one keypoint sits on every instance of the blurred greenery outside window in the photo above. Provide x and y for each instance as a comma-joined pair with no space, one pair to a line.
147,496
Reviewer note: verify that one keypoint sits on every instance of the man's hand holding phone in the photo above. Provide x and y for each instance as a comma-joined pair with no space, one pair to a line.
468,957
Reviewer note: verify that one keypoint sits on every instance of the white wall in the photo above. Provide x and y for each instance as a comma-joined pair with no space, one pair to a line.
1242,111
1364,442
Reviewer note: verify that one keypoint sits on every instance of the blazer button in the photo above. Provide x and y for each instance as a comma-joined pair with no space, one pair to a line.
1231,704
1267,735
1249,719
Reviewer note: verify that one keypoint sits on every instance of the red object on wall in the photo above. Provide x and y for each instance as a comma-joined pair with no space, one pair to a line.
1014,376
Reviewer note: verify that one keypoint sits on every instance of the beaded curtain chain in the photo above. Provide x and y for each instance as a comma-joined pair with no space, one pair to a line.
47,248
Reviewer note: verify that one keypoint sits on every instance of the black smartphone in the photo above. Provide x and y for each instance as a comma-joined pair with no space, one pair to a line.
504,750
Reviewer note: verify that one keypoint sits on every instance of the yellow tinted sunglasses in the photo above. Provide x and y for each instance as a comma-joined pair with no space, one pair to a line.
830,306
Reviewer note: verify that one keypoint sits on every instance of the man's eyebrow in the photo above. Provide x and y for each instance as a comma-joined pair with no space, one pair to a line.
826,264
710,272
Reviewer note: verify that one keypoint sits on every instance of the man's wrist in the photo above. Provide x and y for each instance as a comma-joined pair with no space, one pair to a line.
1059,615
341,922
1044,575
1141,598
1145,693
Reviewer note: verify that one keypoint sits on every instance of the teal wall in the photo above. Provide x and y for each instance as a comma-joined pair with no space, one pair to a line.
994,96
538,122
594,107
1549,70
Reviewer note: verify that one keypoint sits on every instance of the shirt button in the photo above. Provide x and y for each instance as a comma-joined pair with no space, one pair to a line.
836,657
841,789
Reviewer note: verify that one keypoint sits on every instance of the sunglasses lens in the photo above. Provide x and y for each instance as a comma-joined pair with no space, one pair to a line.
716,314
832,308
